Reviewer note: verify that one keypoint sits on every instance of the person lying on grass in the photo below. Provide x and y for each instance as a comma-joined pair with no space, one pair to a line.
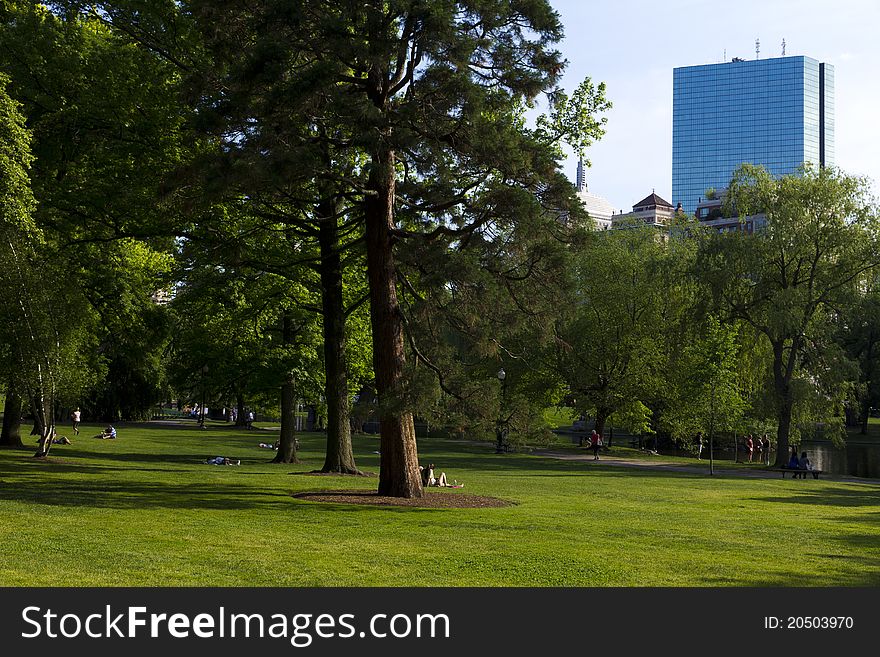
223,460
428,478
108,433
59,440
277,444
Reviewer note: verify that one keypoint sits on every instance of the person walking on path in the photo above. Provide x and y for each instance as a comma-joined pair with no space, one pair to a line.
75,418
595,442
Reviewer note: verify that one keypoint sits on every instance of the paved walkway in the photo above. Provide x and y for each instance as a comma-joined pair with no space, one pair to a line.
657,463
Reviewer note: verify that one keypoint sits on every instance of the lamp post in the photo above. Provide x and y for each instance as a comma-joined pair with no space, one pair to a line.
204,394
500,424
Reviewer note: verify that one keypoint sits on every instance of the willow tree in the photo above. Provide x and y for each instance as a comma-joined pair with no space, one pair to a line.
791,280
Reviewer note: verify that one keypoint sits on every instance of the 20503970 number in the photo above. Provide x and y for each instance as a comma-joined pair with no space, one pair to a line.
820,622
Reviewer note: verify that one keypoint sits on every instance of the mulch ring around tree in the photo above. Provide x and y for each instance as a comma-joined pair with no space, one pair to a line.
431,499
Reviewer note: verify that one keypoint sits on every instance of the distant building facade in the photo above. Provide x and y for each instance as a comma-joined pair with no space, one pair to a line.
710,213
598,207
776,112
651,211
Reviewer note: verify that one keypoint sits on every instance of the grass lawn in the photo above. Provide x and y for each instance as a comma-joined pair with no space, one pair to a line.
144,511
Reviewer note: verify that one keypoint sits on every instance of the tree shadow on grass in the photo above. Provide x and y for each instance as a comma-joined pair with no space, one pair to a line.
868,566
868,496
104,493
861,572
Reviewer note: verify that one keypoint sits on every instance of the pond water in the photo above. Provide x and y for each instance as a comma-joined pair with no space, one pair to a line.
856,459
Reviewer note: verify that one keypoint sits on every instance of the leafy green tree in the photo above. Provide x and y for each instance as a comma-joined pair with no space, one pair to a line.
244,333
419,106
16,206
106,123
859,334
789,280
609,337
40,327
709,393
472,312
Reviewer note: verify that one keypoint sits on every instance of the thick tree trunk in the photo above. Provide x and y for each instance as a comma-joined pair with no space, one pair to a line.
399,463
11,435
240,420
340,456
784,403
601,417
287,447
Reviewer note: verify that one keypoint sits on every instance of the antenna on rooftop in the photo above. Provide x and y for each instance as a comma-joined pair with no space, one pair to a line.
783,47
757,49
725,55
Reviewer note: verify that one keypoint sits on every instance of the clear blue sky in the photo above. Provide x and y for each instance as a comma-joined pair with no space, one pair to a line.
633,45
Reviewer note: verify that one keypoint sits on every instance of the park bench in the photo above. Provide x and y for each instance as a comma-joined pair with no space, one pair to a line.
815,473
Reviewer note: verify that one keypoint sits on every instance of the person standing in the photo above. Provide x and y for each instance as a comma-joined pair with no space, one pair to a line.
75,418
700,444
766,442
750,445
595,442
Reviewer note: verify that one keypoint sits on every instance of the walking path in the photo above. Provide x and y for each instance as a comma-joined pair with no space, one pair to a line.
659,464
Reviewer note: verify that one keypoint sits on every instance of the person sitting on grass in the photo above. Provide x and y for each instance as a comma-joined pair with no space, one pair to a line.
108,433
428,478
223,460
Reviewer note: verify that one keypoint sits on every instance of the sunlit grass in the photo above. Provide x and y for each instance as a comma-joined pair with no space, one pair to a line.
145,510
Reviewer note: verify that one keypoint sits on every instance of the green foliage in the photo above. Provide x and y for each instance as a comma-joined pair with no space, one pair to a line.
791,279
16,198
609,336
575,120
708,391
39,330
106,122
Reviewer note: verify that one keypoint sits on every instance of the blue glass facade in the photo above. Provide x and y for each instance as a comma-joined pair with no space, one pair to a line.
775,112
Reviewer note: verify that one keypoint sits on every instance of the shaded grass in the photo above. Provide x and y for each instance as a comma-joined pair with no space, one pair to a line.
145,510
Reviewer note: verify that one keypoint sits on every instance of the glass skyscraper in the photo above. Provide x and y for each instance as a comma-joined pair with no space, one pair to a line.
776,112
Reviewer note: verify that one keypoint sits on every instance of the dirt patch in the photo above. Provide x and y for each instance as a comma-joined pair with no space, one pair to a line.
432,499
50,459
